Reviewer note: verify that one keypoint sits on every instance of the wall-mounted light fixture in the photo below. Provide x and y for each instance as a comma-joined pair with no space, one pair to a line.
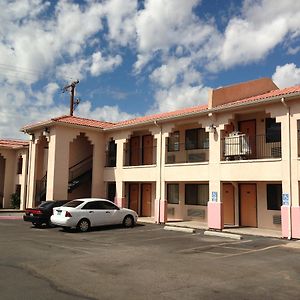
46,132
212,128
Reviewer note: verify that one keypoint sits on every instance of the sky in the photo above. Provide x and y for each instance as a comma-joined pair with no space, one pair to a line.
134,58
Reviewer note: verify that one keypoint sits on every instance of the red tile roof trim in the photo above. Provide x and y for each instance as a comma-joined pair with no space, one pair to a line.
83,121
13,144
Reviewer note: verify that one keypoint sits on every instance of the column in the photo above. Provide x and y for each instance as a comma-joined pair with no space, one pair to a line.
9,178
120,199
23,181
31,173
58,166
98,166
215,206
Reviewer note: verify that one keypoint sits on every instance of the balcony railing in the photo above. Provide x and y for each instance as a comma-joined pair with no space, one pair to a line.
179,154
242,146
140,156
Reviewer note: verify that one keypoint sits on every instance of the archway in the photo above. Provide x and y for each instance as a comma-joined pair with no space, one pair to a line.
80,167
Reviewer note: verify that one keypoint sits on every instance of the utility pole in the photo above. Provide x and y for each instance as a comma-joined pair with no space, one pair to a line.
71,87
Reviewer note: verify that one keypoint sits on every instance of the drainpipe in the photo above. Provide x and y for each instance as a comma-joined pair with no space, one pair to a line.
290,168
160,167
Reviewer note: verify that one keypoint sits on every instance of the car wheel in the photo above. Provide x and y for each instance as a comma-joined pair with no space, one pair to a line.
128,221
83,225
36,224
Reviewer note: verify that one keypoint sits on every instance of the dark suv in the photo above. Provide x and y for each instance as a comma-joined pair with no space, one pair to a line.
41,214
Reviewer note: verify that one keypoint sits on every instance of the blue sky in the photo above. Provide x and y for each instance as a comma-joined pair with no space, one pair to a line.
137,57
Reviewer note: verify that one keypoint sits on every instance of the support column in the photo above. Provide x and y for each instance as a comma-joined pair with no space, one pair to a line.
215,205
23,182
120,199
9,177
31,184
58,167
98,167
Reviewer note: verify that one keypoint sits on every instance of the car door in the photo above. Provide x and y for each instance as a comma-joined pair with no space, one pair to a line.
113,213
92,210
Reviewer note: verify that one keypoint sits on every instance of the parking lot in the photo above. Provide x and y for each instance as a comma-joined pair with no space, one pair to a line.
145,262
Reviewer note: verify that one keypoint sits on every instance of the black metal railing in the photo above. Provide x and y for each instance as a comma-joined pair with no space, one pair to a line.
41,187
111,159
80,168
242,146
183,153
140,156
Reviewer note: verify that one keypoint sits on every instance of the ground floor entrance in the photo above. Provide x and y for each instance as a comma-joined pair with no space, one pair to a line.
140,198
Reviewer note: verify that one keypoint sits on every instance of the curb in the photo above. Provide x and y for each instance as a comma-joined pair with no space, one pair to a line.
181,229
223,234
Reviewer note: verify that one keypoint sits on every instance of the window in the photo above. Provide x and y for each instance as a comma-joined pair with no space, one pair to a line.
173,193
73,203
111,154
108,205
274,194
273,131
196,139
173,142
196,194
20,165
111,191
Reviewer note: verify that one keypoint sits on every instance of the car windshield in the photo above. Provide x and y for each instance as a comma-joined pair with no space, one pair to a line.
73,203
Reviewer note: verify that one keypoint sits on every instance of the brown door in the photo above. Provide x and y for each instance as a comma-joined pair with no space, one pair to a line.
147,149
134,196
228,203
146,200
249,129
248,211
135,151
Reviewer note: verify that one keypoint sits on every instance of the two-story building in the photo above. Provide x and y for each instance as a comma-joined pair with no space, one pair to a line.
231,162
13,171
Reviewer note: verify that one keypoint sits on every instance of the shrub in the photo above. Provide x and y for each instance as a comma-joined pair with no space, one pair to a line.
15,200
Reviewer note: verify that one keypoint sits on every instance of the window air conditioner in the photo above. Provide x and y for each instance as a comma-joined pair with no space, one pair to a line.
237,144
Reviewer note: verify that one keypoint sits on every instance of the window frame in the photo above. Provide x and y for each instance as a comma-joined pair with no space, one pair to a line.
169,185
199,139
274,198
272,125
195,192
174,141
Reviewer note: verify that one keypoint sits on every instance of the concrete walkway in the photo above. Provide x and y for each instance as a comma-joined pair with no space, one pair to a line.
203,226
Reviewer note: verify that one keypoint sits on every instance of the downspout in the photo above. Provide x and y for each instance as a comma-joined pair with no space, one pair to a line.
290,168
160,168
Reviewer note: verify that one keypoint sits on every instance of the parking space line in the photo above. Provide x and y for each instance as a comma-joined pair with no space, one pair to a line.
252,251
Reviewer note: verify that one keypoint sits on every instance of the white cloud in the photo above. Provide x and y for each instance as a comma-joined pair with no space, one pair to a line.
102,64
105,113
179,96
74,70
287,75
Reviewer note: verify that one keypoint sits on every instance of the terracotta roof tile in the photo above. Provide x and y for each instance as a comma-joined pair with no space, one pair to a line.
83,121
271,94
161,116
13,144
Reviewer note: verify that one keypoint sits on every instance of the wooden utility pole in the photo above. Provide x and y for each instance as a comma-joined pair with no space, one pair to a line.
71,87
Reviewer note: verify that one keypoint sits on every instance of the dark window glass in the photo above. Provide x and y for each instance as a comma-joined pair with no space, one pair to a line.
274,195
173,142
20,165
108,205
273,131
111,191
111,154
196,139
173,193
18,190
196,194
73,203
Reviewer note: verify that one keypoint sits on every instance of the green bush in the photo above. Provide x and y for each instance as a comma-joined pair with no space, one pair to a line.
15,200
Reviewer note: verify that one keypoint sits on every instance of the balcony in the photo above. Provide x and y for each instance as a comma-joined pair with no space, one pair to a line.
179,154
238,146
140,156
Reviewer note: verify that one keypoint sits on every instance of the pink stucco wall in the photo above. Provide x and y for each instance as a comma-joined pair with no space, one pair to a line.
285,221
215,215
296,222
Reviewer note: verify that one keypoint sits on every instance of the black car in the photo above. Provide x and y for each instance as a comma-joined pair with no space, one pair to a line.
41,214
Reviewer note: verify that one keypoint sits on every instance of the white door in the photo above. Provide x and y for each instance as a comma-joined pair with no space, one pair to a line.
95,213
113,213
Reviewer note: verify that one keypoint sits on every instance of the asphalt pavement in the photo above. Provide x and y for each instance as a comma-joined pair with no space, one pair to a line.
144,262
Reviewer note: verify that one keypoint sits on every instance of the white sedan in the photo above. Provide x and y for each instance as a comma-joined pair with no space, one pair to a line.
90,212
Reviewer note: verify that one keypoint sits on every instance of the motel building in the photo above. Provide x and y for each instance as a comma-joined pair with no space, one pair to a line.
233,162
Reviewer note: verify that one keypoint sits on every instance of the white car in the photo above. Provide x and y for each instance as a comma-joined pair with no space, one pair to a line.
90,212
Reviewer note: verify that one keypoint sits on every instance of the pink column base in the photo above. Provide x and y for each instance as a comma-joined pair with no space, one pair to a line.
296,222
285,221
215,215
160,211
121,202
